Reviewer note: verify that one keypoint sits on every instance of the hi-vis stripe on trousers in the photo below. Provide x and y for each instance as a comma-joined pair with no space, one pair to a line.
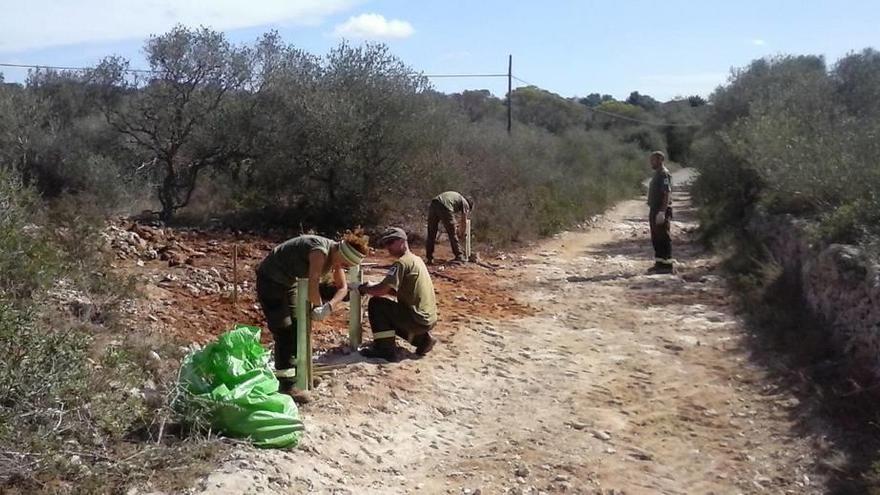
387,334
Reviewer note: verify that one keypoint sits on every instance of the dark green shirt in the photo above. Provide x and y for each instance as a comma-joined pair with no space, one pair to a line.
290,259
410,278
661,183
453,202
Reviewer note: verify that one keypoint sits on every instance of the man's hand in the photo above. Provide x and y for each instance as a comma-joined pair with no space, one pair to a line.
660,219
322,311
375,290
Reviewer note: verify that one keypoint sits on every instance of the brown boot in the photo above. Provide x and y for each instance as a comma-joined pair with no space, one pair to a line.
382,349
661,268
301,396
424,343
286,387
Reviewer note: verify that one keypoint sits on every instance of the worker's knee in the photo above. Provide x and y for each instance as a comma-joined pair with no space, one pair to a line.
379,304
379,311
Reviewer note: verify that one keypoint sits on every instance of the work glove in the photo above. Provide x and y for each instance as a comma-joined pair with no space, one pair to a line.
322,311
660,219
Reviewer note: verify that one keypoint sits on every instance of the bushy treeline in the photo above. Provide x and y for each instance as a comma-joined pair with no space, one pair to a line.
793,136
265,133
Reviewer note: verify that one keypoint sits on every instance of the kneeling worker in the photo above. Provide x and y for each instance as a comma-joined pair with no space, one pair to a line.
414,313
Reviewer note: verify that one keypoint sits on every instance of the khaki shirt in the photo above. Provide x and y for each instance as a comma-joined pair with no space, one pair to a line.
453,202
410,278
290,259
660,183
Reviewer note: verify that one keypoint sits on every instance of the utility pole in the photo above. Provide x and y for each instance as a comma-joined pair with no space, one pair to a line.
509,89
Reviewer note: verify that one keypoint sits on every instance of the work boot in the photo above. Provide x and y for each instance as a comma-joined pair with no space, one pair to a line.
424,343
381,350
429,261
286,387
300,396
661,268
460,259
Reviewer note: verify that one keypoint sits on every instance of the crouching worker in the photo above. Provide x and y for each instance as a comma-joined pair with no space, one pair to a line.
306,256
414,313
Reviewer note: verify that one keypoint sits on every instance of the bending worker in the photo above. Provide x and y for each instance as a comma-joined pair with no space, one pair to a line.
309,256
444,208
414,313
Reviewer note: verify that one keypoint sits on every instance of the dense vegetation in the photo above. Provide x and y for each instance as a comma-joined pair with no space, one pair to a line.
270,133
791,136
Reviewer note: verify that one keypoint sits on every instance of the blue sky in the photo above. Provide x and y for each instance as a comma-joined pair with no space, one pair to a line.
662,48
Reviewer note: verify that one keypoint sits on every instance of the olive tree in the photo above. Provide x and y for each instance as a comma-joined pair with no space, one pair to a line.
182,114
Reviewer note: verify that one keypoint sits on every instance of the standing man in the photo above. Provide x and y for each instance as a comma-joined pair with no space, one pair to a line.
414,313
444,208
660,214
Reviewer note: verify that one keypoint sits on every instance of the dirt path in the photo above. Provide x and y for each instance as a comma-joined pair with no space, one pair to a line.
619,382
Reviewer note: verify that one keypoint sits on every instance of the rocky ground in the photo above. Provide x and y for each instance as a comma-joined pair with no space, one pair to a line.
562,369
198,284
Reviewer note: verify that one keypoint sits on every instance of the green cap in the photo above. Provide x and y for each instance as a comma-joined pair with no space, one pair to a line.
391,234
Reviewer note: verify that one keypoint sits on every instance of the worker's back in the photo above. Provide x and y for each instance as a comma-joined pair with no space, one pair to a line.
452,201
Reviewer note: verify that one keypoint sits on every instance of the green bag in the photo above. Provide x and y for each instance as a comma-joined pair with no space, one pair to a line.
231,375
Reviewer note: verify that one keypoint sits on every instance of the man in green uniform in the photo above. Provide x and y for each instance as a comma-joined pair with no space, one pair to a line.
660,214
444,208
306,256
414,313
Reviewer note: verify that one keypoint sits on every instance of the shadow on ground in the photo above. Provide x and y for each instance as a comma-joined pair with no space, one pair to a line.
837,405
838,402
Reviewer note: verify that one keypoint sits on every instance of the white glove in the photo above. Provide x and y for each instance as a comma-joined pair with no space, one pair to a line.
660,219
322,311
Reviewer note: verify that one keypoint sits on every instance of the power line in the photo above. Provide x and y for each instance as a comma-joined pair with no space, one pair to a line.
148,71
646,122
59,67
438,76
464,75
525,82
623,117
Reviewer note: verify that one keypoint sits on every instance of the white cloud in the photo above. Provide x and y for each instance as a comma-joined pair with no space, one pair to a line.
44,23
758,42
373,26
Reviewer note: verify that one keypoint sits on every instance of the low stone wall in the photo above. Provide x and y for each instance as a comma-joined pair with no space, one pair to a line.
840,285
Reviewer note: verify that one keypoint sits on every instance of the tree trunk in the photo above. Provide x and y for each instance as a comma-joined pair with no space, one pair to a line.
166,195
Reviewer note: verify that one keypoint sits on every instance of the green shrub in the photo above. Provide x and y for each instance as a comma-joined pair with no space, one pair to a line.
75,387
82,412
849,223
27,262
797,138
530,184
